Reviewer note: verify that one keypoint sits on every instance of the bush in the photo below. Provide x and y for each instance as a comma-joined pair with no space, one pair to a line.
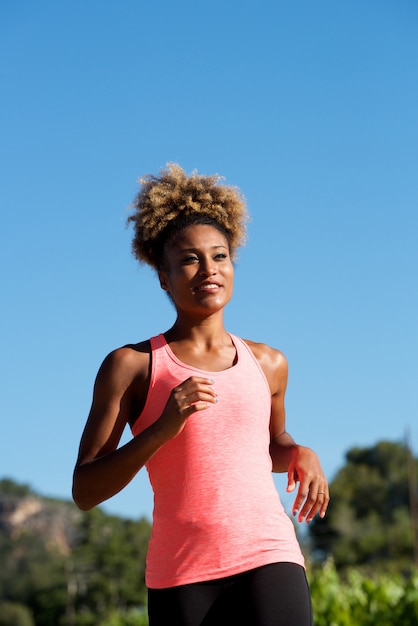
129,618
14,614
360,599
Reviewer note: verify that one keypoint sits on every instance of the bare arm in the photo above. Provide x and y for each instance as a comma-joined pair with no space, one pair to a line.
301,463
102,469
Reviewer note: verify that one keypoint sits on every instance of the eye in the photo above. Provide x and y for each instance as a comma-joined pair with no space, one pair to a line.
220,256
190,258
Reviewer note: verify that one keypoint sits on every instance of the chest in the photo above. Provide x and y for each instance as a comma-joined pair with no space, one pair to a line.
208,361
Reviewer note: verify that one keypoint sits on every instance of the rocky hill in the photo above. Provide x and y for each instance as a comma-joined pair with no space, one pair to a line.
22,511
60,565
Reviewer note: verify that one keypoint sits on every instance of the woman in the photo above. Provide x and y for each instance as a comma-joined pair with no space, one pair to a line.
207,413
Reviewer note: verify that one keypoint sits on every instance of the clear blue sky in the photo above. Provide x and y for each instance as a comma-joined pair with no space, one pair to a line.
311,108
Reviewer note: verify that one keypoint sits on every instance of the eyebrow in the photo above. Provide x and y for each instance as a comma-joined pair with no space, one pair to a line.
195,249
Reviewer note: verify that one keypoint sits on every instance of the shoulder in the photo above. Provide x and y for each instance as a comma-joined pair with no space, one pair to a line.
267,356
273,363
124,365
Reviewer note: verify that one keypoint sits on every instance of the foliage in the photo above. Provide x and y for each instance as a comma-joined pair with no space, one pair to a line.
127,618
108,568
99,579
359,599
368,519
9,487
103,571
32,574
15,614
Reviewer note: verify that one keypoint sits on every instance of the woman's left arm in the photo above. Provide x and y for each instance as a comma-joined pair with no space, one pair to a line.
301,463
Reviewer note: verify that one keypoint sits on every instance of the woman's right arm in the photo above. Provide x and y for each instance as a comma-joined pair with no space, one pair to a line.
102,469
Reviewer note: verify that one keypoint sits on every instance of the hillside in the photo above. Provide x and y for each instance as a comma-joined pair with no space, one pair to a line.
56,521
58,561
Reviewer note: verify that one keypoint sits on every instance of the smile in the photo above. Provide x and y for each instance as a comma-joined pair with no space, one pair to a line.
207,287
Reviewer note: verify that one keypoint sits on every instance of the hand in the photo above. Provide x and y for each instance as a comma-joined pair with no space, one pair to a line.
193,394
313,494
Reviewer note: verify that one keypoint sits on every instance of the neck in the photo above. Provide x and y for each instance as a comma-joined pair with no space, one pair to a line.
209,331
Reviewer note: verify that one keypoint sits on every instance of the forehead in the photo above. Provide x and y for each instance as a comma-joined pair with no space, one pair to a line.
198,236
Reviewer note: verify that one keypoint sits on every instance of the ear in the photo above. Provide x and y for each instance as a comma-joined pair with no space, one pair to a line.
163,280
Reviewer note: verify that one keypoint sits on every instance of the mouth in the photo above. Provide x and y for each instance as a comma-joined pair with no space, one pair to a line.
206,287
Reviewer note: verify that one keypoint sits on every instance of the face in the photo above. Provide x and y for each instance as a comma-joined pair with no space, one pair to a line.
198,272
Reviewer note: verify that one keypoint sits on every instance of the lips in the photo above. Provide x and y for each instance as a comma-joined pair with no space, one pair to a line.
206,287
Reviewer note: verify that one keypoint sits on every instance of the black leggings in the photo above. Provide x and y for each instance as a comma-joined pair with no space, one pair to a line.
272,595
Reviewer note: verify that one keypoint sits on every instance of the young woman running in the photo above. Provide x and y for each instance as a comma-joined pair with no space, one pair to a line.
206,410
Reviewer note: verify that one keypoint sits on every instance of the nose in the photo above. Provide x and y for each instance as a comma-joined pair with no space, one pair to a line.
207,268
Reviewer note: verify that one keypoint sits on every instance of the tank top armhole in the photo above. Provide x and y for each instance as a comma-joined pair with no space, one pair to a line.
153,346
253,357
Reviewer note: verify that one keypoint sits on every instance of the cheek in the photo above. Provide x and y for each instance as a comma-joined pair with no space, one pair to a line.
178,278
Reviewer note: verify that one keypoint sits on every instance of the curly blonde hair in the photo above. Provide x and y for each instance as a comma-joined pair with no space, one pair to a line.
173,200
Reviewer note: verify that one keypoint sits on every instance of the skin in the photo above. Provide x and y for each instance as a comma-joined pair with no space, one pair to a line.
198,274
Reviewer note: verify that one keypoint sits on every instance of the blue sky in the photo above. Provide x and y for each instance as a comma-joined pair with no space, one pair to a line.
310,108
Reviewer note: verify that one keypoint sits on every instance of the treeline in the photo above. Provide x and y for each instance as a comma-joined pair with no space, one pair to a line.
364,570
61,567
353,598
372,519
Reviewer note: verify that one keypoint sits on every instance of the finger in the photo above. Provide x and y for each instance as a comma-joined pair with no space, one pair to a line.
320,506
198,395
309,509
309,513
324,504
291,480
193,408
316,502
194,384
193,390
301,496
305,501
195,380
197,400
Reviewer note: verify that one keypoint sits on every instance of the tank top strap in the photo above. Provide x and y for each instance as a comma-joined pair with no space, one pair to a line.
158,342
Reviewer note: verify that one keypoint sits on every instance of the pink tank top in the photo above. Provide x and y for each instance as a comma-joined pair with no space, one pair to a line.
216,509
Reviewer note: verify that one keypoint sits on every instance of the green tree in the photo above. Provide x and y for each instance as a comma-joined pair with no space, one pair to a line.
106,571
14,614
9,487
127,618
368,519
32,574
99,568
353,598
